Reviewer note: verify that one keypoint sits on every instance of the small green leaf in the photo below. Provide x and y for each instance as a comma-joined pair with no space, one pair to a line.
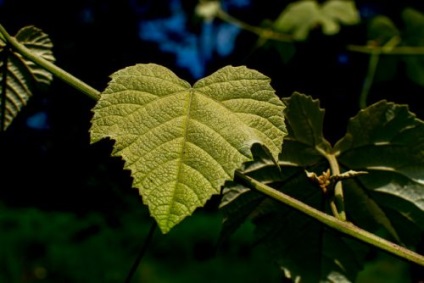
300,17
305,129
338,11
182,143
19,75
381,29
414,22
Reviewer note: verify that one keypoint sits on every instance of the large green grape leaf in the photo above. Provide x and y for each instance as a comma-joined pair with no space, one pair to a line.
19,76
384,139
182,143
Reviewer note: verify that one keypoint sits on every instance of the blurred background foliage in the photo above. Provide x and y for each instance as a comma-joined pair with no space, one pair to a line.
67,209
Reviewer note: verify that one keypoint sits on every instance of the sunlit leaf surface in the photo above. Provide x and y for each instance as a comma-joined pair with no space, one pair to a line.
182,143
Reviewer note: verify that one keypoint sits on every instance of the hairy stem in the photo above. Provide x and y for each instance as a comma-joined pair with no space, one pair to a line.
337,224
49,66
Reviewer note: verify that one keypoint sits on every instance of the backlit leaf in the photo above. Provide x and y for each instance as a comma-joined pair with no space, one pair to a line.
182,143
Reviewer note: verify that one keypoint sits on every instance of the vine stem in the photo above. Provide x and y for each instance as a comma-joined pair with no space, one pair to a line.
400,50
261,32
142,252
338,197
337,224
389,48
58,72
342,226
372,67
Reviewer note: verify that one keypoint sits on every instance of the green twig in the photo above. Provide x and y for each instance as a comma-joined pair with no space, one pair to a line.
49,66
400,50
261,32
331,221
372,67
142,252
337,198
2,37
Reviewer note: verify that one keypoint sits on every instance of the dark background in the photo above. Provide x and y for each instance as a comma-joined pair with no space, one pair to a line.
49,168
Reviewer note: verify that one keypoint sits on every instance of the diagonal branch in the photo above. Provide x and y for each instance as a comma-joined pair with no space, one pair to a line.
331,221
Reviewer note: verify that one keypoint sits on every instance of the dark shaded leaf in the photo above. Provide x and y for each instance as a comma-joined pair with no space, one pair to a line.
381,29
387,141
19,76
302,247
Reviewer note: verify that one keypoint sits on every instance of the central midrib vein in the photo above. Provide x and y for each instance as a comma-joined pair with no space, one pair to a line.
183,144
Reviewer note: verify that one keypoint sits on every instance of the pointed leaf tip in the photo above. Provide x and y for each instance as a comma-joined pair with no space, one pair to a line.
182,143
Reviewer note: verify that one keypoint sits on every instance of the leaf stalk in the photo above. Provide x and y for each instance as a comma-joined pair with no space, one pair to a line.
337,199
